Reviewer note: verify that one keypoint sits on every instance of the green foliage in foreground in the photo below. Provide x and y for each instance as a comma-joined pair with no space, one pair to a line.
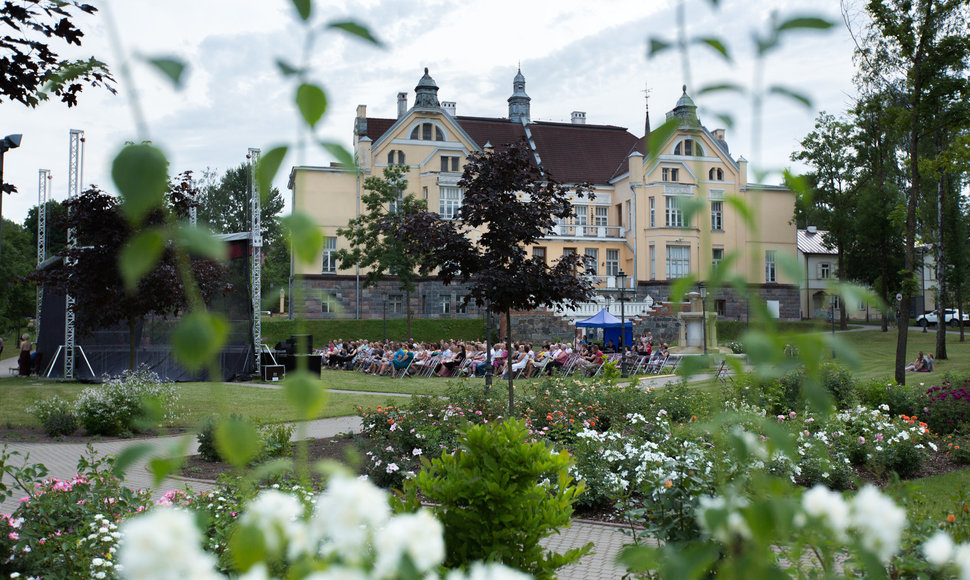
487,498
422,330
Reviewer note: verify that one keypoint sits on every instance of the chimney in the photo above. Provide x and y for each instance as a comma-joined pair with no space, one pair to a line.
718,134
360,123
579,117
743,171
449,107
402,104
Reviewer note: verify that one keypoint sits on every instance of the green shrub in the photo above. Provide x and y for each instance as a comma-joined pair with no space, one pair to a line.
498,496
207,440
901,399
121,405
682,402
56,415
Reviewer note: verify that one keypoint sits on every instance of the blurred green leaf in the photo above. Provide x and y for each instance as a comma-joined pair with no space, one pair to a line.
805,22
790,267
140,173
657,46
200,241
720,88
247,546
303,8
715,44
312,102
140,256
305,236
660,136
268,167
198,337
792,94
344,157
356,29
129,456
237,440
727,119
286,68
681,287
743,210
305,393
172,68
162,467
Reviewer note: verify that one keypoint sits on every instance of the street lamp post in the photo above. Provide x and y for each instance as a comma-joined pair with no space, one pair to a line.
385,317
703,292
621,279
9,142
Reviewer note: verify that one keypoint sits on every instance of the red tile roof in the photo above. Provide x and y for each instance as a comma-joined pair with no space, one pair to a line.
572,153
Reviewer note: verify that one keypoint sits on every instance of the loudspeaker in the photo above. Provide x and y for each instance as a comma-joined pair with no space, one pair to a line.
273,372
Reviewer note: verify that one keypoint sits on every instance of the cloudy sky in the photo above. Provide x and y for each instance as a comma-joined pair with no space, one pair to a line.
576,56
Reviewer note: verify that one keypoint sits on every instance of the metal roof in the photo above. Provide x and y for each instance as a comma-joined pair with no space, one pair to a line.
813,242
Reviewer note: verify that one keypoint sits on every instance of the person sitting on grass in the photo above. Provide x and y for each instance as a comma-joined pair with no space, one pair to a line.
928,363
917,365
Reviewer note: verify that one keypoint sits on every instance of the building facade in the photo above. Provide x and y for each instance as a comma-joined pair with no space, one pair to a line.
654,218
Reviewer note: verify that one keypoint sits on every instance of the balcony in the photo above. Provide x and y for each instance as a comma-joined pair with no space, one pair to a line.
580,232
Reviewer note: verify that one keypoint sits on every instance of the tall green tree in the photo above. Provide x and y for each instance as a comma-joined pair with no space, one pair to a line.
225,206
829,150
56,226
875,255
374,243
17,297
910,47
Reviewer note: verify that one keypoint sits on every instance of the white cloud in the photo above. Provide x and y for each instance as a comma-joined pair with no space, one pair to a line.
575,56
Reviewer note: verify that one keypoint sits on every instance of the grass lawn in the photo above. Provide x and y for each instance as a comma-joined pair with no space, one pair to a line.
876,354
354,381
197,400
933,498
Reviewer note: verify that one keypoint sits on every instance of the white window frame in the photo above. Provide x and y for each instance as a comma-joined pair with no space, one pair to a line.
717,256
674,215
329,265
612,262
670,174
593,255
824,271
653,213
717,216
678,261
601,216
771,267
395,303
450,200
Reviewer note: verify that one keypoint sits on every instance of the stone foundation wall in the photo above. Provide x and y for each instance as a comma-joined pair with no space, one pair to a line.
541,327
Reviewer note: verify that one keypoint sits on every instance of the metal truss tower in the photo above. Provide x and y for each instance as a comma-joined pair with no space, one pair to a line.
74,175
256,246
43,194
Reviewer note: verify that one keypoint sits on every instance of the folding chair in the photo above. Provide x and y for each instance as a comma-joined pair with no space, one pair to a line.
403,370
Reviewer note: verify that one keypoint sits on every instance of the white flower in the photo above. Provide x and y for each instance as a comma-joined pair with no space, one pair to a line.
880,522
415,452
492,571
961,556
276,514
938,549
346,515
257,572
338,573
418,535
164,544
823,503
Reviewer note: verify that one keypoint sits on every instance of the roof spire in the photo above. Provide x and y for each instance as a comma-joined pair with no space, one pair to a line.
646,116
519,102
426,93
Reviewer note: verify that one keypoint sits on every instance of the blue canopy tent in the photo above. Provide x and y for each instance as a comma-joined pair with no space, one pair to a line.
611,327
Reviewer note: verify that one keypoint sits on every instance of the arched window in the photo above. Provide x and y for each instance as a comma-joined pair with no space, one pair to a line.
427,132
689,147
395,156
720,174
390,158
715,174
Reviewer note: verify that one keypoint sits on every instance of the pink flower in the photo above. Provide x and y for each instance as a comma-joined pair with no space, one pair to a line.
862,440
878,436
13,536
792,414
781,417
810,420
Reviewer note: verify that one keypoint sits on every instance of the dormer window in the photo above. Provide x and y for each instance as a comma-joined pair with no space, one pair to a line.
689,147
670,173
427,132
715,174
449,163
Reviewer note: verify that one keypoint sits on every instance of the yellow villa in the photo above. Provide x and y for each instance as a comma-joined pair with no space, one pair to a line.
636,224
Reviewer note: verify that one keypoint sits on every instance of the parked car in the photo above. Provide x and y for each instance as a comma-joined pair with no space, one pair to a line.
951,316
